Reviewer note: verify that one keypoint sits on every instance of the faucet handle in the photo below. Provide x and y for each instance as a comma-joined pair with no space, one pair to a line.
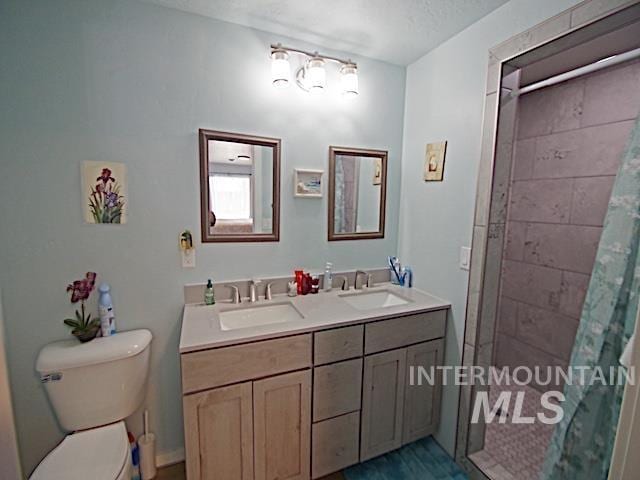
370,283
235,294
345,282
267,291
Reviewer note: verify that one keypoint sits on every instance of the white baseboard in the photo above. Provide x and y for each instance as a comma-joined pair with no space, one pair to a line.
169,458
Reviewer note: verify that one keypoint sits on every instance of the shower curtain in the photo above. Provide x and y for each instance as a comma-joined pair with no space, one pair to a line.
339,214
582,443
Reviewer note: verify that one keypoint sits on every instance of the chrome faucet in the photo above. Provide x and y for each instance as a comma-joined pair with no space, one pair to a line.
345,282
253,295
235,294
369,277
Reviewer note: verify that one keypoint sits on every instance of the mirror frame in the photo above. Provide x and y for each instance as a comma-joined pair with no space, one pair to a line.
356,152
204,137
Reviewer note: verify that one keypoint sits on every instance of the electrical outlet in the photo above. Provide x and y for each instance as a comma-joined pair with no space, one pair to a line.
189,258
465,258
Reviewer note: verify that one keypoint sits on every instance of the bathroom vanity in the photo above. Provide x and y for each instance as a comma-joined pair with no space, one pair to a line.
298,388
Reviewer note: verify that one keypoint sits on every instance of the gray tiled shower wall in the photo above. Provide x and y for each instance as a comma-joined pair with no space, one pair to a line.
569,142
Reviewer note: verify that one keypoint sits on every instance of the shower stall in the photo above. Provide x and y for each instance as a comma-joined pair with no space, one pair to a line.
560,108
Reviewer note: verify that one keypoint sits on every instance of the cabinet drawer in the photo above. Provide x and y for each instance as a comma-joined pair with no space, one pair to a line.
226,365
399,332
336,389
335,444
337,344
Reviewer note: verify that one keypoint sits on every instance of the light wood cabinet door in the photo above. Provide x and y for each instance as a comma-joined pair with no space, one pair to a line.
382,403
219,433
282,427
422,402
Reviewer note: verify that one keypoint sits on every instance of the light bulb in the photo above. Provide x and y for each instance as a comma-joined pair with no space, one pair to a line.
316,76
280,69
349,79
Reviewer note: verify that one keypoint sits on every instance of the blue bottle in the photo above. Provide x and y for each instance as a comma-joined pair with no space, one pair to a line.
407,277
105,308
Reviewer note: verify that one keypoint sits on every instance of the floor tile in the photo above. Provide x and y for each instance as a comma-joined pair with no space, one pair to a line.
421,460
172,472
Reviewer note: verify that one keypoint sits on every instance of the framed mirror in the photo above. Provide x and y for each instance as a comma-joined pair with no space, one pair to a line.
357,193
239,187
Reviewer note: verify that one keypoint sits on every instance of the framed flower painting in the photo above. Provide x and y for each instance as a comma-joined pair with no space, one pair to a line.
104,192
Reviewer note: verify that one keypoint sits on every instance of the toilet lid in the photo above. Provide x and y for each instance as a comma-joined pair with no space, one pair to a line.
98,454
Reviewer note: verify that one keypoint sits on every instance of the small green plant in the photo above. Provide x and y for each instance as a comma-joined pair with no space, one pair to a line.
84,328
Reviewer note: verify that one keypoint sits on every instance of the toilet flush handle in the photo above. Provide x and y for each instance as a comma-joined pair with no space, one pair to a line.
51,377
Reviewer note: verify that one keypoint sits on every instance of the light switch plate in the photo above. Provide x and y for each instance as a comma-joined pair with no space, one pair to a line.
465,258
189,258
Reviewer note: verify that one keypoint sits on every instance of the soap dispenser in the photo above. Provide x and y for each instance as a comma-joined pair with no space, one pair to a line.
328,277
209,297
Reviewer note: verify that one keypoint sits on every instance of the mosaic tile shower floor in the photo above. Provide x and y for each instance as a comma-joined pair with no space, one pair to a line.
514,451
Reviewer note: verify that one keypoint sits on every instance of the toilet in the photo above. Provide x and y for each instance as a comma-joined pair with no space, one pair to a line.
92,388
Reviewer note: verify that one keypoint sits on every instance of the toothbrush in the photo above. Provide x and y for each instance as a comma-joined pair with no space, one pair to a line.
392,262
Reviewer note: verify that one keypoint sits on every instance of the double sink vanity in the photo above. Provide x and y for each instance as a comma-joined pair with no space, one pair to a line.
298,388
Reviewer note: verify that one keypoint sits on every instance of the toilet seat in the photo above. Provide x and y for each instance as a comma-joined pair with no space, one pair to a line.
99,454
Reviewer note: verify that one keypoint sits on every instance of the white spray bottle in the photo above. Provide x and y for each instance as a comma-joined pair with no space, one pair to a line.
105,308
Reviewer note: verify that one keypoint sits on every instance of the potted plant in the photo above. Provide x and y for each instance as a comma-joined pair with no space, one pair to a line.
84,328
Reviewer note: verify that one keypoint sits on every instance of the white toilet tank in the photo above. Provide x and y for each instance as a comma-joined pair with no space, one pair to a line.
98,382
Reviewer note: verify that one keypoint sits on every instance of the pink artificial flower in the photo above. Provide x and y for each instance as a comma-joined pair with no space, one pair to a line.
81,289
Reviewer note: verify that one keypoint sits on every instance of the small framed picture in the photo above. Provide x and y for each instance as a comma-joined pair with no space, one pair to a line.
434,161
104,192
307,183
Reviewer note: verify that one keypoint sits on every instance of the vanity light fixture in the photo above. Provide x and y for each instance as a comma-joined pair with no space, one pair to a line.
312,75
349,79
315,75
280,68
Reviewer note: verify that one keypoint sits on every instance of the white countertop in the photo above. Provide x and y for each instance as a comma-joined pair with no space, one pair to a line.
201,324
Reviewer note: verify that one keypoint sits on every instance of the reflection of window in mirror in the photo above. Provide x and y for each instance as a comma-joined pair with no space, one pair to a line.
231,196
239,196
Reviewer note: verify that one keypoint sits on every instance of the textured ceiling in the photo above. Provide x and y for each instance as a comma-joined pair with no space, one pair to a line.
397,31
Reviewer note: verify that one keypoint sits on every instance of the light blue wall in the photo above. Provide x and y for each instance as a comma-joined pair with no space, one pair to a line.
9,458
444,101
131,82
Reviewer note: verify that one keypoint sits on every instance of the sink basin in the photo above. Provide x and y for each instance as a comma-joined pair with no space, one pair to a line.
258,315
373,300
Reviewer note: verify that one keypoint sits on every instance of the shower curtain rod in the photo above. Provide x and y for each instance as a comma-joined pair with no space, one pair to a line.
592,67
